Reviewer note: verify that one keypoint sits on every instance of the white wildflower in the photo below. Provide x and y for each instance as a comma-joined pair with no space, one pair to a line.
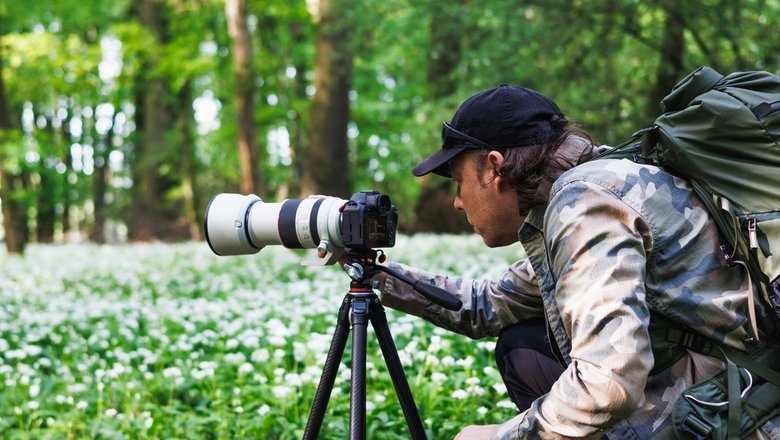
235,358
460,394
259,356
281,391
76,388
32,350
172,372
467,362
34,390
438,377
293,379
246,368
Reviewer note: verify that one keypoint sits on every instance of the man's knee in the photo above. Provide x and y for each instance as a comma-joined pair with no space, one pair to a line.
530,334
527,362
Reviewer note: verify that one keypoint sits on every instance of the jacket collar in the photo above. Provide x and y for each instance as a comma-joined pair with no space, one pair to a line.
533,223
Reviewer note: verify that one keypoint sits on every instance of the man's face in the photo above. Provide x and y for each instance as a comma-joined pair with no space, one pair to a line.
491,206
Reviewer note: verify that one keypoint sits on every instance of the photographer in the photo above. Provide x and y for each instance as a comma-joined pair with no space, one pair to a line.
608,242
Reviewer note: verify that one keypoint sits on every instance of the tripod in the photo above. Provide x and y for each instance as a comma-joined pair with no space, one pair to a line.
360,306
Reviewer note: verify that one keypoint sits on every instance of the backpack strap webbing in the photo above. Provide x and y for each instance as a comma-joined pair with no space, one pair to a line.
666,334
669,341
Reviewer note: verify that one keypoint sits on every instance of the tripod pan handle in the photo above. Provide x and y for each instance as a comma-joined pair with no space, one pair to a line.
433,293
439,296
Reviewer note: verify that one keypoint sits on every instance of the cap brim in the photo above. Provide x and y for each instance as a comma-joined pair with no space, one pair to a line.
437,163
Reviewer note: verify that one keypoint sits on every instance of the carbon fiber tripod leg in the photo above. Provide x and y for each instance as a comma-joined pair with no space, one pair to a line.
328,378
409,408
357,403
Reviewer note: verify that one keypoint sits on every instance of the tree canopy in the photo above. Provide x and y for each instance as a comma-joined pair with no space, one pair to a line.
123,118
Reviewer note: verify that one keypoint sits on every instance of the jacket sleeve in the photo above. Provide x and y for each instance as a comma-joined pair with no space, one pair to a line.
598,247
488,306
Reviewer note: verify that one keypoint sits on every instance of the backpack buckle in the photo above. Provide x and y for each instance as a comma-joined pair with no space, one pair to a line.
728,255
696,426
689,340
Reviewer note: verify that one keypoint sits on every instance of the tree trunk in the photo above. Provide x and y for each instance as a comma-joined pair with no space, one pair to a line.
297,125
14,210
152,216
446,48
49,185
14,215
326,155
46,215
100,188
670,65
434,211
67,159
248,151
188,163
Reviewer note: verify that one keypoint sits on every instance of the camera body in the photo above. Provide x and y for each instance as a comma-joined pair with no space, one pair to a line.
368,220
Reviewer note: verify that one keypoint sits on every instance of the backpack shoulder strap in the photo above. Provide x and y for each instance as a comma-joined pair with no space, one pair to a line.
668,338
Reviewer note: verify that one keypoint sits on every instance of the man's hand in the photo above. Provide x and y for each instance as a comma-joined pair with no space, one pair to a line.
474,432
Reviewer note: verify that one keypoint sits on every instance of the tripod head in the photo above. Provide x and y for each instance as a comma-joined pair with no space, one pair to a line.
363,265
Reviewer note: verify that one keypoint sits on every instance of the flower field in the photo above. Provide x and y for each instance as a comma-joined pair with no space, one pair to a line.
159,341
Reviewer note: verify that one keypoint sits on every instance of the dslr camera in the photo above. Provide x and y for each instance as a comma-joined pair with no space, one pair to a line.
238,224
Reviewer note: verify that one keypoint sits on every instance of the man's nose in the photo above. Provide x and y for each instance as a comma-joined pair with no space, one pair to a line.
458,203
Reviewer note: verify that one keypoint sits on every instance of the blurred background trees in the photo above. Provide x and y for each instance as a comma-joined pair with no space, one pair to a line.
119,120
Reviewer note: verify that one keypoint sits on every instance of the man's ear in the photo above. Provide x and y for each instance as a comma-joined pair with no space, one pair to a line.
495,161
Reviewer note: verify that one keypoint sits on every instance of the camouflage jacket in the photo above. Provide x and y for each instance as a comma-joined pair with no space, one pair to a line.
616,241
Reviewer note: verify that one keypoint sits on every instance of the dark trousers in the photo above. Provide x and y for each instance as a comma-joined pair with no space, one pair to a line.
525,358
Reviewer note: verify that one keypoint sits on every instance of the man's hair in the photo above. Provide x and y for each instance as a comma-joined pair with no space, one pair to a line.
526,167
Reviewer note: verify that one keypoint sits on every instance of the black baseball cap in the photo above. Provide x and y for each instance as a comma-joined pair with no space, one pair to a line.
502,117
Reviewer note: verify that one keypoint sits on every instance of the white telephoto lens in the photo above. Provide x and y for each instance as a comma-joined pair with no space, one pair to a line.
225,224
236,224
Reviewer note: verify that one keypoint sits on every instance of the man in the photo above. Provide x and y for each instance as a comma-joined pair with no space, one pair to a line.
608,242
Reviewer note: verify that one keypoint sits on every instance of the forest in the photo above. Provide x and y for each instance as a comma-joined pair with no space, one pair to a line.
119,120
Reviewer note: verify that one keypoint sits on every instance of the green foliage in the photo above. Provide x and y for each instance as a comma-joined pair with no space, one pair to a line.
600,60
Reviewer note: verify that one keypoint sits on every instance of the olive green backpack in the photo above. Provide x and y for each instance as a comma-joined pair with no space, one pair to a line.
722,134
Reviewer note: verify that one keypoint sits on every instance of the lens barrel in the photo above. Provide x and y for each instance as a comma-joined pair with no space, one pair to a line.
236,224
